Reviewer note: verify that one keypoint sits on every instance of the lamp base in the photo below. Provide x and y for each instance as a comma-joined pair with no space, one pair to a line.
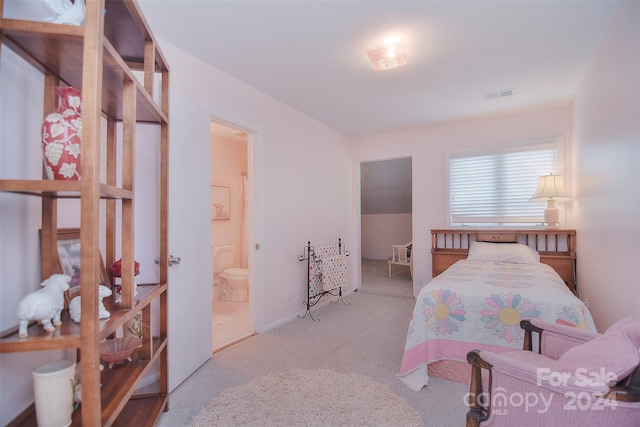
552,217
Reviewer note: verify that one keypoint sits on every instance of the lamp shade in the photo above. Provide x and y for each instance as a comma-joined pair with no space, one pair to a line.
551,187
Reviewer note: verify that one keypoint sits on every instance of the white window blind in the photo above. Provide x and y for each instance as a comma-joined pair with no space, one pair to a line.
493,186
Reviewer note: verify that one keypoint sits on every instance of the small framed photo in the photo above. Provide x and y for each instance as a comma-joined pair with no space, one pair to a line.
220,199
69,259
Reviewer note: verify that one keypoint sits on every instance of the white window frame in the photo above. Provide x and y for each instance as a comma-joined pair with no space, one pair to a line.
557,142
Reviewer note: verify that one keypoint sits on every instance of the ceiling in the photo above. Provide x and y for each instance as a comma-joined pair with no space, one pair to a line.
385,187
311,54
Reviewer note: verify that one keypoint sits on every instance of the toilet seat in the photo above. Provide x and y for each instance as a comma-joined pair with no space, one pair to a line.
237,272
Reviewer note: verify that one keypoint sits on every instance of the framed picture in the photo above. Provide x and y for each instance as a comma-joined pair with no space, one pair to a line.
69,258
220,197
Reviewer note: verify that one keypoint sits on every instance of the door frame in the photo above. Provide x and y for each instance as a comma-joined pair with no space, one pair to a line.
255,223
357,186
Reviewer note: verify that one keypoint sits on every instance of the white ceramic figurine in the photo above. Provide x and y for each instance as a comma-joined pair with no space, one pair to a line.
103,313
44,305
67,12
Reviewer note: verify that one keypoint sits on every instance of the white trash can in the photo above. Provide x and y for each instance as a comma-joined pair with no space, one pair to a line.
53,389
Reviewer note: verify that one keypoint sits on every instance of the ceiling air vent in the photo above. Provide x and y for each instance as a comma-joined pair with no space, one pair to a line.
498,94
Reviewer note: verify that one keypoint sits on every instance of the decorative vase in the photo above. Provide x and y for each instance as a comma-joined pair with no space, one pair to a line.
133,328
53,385
62,136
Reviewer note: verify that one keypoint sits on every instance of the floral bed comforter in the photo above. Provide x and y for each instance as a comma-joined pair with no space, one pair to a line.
479,305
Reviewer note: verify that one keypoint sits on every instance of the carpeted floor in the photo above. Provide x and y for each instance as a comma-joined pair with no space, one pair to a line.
375,279
366,337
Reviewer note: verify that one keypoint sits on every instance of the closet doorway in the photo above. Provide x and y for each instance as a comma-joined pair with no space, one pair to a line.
229,236
386,218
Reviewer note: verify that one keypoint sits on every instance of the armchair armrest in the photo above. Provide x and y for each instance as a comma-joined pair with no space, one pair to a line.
524,368
553,339
524,365
479,406
477,413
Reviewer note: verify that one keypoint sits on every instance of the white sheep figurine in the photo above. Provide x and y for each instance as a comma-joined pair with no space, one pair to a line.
44,305
103,313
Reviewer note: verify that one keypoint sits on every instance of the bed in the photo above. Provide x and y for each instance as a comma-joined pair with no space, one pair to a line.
485,282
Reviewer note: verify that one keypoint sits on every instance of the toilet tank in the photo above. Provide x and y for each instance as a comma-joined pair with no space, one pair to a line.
223,258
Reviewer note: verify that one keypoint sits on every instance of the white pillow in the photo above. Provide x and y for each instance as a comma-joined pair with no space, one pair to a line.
503,252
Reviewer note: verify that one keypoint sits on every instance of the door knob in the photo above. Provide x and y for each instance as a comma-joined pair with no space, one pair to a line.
172,260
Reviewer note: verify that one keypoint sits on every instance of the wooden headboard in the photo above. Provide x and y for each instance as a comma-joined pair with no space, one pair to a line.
556,247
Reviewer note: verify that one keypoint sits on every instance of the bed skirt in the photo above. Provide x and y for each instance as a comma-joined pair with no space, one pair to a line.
451,370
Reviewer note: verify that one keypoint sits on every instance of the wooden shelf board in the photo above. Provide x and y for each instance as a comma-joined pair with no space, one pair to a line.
67,335
57,49
142,411
39,340
26,418
59,189
118,385
139,411
40,186
114,76
127,30
120,381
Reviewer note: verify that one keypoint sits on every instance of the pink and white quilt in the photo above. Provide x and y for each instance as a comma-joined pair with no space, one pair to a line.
479,305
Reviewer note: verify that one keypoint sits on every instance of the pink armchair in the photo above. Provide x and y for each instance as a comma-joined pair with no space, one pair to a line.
573,378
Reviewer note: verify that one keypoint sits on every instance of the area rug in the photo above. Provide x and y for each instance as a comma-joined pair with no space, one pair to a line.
318,397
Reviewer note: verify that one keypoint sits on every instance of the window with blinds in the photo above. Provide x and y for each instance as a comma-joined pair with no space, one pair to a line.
492,186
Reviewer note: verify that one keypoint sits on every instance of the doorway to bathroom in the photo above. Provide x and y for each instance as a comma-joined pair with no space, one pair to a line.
229,236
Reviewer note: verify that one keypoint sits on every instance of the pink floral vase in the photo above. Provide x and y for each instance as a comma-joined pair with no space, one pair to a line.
62,136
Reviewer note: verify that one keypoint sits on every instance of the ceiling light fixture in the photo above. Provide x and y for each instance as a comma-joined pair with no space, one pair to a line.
392,55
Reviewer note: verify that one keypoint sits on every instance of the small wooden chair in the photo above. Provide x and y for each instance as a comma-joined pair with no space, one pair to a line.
401,255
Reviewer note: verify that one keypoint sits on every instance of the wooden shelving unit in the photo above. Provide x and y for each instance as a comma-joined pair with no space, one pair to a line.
101,59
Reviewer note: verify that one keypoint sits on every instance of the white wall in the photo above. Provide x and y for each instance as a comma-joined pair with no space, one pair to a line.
606,128
380,231
301,201
428,146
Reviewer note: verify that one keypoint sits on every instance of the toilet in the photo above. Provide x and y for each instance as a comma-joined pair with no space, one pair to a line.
234,282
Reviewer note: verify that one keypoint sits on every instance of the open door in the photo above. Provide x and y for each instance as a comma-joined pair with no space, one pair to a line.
190,290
